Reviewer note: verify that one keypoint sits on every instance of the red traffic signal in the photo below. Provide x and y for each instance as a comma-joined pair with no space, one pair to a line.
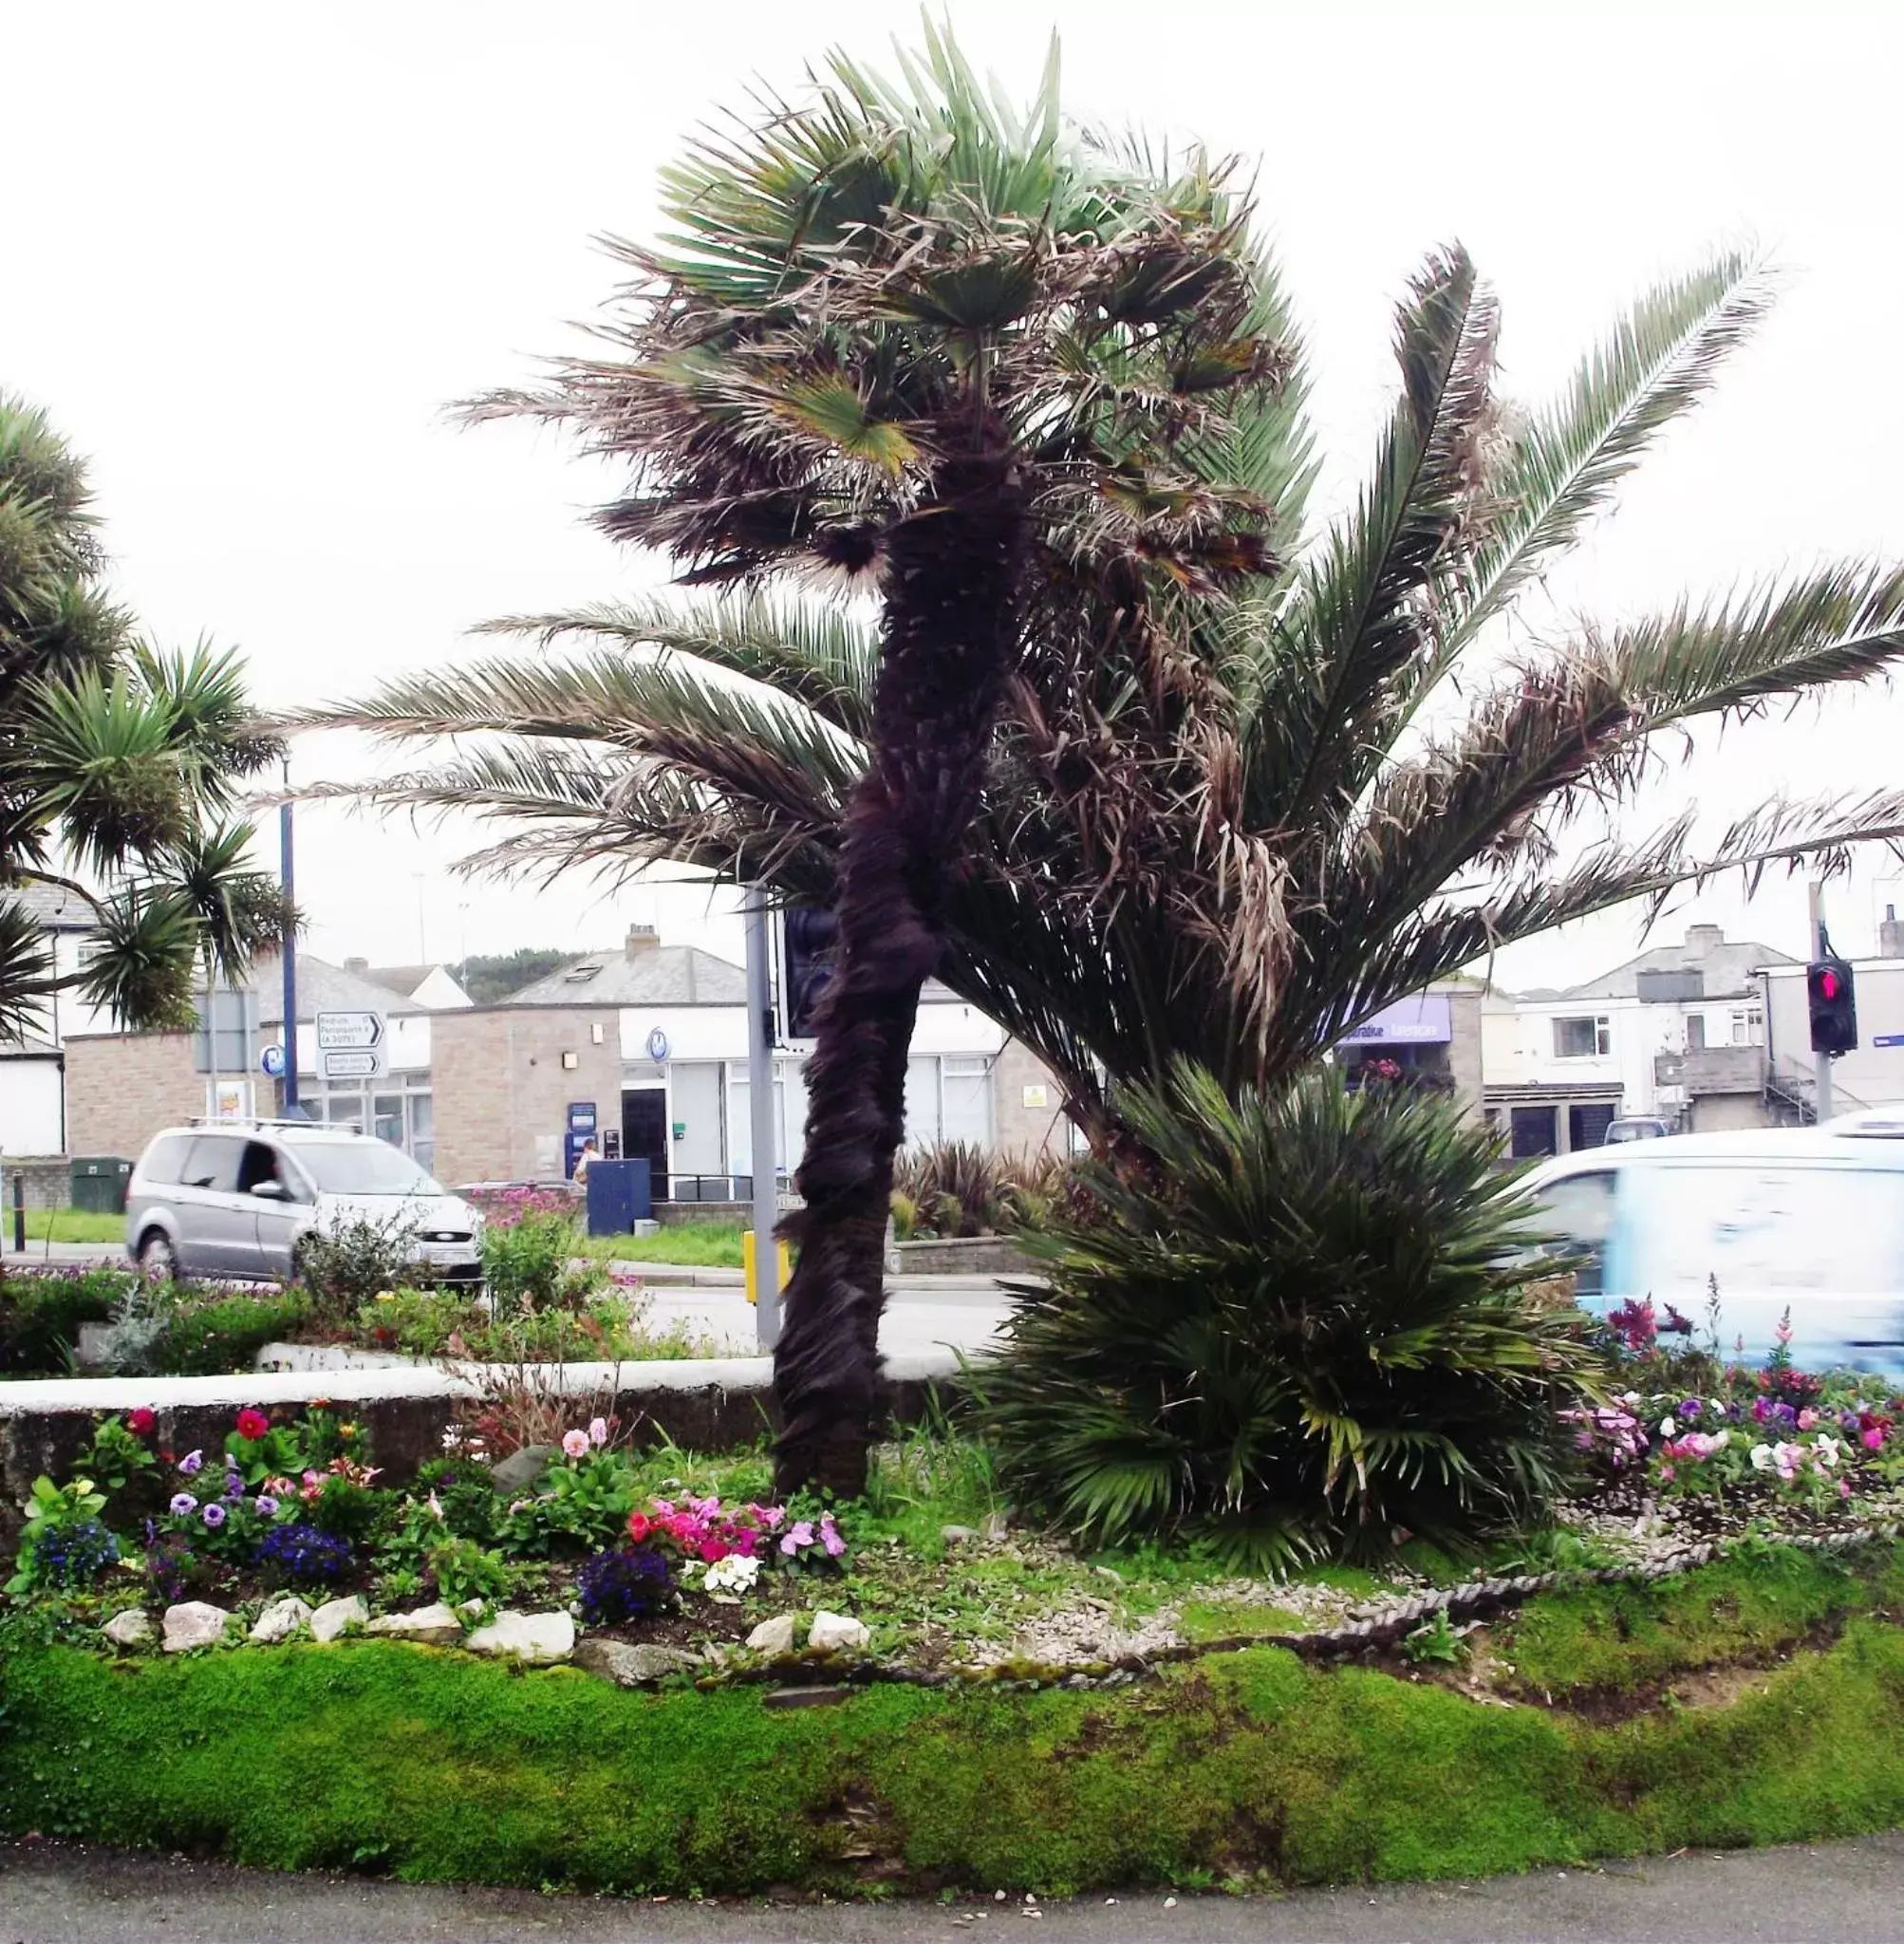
1833,1005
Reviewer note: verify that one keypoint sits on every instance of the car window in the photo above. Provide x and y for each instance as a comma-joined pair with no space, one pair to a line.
362,1167
258,1164
213,1164
1579,1209
164,1162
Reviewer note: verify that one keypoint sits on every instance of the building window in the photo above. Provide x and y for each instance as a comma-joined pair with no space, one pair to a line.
400,1109
1584,1038
1749,1026
1695,1032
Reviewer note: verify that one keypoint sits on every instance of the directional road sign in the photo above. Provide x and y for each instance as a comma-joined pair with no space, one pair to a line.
352,1046
348,1032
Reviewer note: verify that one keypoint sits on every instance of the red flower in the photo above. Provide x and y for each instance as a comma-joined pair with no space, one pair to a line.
639,1527
140,1422
252,1424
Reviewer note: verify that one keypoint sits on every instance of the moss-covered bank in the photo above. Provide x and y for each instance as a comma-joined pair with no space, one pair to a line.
1250,1764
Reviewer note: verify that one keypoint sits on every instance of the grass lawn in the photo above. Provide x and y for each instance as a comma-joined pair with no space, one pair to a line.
65,1225
1249,1769
687,1245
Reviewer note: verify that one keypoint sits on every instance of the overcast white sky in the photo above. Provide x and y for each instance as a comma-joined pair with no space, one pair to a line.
253,251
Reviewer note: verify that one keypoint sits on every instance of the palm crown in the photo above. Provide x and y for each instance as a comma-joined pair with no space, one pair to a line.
119,767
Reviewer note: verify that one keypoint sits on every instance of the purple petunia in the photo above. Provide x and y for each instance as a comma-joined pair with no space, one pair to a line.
184,1502
214,1515
267,1506
234,1486
191,1461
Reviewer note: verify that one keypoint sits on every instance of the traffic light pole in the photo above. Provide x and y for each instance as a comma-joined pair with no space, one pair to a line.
760,1115
1821,1061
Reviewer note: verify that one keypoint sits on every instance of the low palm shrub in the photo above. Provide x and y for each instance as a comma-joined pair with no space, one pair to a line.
1308,1331
959,1188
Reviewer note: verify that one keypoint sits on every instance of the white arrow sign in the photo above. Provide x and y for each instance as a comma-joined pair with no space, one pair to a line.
348,1032
367,1065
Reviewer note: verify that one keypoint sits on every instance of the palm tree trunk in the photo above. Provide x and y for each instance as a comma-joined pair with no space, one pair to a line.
952,592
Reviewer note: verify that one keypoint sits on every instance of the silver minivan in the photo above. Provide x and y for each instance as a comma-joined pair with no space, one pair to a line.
236,1199
1805,1221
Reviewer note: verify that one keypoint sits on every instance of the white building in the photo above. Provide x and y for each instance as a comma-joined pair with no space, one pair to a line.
32,1068
1678,1032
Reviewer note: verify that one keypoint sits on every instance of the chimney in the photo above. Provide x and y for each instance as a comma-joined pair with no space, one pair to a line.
641,938
360,966
1701,941
1891,935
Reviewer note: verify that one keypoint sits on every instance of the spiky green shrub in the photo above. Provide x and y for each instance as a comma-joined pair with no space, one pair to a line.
1307,1333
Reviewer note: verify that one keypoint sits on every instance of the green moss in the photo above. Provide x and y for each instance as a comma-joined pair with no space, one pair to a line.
1252,1764
1222,1620
1621,1637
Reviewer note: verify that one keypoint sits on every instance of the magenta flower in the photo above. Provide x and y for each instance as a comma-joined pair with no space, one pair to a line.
1872,1440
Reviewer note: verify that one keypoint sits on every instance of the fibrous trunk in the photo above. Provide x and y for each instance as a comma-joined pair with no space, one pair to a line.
951,588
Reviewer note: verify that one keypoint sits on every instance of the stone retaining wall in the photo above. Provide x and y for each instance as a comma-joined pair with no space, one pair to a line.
705,1404
982,1255
49,1179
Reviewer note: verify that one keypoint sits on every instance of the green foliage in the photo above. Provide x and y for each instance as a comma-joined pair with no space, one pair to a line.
959,1188
225,1332
53,1509
1307,1333
487,977
1249,1766
117,762
345,1263
692,1245
41,1314
464,1570
526,1262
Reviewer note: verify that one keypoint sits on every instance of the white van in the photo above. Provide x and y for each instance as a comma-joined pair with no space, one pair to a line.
1809,1220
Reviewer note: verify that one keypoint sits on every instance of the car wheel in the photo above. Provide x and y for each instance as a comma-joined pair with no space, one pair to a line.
158,1258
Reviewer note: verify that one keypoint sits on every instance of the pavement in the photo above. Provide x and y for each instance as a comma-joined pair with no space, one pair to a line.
1843,1893
923,1312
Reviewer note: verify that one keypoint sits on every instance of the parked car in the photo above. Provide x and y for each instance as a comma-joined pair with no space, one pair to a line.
1805,1220
1635,1127
238,1199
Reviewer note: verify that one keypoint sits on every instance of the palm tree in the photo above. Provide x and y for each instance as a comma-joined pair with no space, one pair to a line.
119,766
1222,830
1346,794
912,337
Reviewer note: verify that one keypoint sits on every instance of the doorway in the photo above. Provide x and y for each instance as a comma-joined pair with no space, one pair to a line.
644,1134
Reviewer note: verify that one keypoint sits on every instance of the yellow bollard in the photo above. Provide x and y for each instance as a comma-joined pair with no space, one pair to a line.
786,1262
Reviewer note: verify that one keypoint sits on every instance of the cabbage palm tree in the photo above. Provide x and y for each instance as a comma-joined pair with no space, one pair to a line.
120,766
1226,830
910,337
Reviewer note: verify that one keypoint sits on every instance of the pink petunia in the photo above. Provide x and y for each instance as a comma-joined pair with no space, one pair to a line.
1872,1440
575,1444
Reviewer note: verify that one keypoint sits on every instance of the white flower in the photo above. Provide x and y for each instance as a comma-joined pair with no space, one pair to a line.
1720,1439
1761,1458
1631,1397
1667,1427
1828,1449
452,1437
731,1575
435,1503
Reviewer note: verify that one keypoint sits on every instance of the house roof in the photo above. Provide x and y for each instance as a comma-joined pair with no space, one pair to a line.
324,988
1727,966
654,975
53,907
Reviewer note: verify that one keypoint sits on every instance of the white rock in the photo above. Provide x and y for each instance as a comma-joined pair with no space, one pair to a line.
332,1619
132,1628
833,1633
280,1620
633,1664
773,1636
436,1626
194,1624
525,1637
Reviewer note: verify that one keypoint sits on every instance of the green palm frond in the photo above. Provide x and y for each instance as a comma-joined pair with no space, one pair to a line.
27,973
1569,458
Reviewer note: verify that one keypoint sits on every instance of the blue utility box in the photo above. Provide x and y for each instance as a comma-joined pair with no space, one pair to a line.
620,1194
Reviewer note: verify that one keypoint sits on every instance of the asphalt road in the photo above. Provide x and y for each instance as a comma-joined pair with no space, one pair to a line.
1848,1893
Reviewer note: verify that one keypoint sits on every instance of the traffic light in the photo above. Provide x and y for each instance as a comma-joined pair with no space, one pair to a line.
1830,991
806,965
